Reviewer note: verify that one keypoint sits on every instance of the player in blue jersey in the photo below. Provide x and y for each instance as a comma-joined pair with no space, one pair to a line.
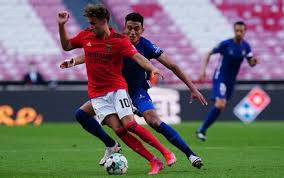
232,51
136,78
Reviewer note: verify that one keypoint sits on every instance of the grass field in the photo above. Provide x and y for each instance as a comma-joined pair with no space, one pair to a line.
65,150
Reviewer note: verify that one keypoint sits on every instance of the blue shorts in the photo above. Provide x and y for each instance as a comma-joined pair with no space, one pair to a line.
141,100
222,90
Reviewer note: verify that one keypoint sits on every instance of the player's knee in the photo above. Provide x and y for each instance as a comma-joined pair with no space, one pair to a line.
120,131
131,125
152,119
154,122
81,116
220,104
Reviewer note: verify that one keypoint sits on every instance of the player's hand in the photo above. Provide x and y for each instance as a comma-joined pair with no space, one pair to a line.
67,63
157,72
63,17
197,95
153,79
253,62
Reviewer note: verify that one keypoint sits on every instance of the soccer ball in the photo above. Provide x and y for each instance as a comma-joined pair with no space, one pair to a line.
116,164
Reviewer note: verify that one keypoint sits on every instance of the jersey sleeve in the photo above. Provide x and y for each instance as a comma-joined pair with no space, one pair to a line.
249,53
220,48
127,49
77,41
155,51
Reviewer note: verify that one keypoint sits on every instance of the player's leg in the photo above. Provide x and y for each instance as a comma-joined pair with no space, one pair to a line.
106,113
143,102
155,164
85,116
211,117
152,118
115,124
220,95
124,110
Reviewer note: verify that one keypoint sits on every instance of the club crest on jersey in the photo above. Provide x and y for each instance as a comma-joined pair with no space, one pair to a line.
108,48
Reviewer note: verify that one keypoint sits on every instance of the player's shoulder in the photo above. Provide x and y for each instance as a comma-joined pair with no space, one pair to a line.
228,41
225,43
119,36
116,35
144,40
147,43
87,30
246,43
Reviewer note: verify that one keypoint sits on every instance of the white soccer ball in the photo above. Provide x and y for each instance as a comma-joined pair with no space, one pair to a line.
116,164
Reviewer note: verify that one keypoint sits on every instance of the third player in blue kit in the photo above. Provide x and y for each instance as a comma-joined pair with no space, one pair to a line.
232,51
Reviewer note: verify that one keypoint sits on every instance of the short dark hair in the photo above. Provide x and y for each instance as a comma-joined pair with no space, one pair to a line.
134,16
240,23
97,10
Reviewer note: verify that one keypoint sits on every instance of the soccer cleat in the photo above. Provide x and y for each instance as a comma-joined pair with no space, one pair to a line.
156,166
109,151
201,136
170,158
196,161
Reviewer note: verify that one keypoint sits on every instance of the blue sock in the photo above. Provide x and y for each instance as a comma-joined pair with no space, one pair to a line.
173,137
210,119
93,127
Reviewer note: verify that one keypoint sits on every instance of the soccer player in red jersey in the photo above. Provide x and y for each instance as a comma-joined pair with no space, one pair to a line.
104,51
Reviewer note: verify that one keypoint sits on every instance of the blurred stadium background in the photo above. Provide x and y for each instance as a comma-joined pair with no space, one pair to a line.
185,29
180,27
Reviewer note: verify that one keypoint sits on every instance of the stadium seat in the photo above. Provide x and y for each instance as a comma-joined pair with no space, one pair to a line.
38,39
265,17
35,40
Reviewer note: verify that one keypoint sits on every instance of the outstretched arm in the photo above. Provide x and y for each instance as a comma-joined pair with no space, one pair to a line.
62,18
168,62
146,64
73,62
202,74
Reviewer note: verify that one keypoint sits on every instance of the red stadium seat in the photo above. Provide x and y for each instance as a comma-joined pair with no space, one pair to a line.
265,20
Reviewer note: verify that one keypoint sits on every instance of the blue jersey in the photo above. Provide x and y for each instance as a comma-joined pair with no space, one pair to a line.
134,74
232,56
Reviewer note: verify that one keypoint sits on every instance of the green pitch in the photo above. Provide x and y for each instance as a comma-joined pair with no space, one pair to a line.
65,150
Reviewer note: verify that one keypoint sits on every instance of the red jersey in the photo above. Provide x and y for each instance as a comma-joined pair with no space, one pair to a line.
104,60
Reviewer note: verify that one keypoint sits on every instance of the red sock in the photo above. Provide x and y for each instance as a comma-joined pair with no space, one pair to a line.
134,144
147,136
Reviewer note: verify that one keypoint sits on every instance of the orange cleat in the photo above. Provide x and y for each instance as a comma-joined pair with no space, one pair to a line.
170,158
156,166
